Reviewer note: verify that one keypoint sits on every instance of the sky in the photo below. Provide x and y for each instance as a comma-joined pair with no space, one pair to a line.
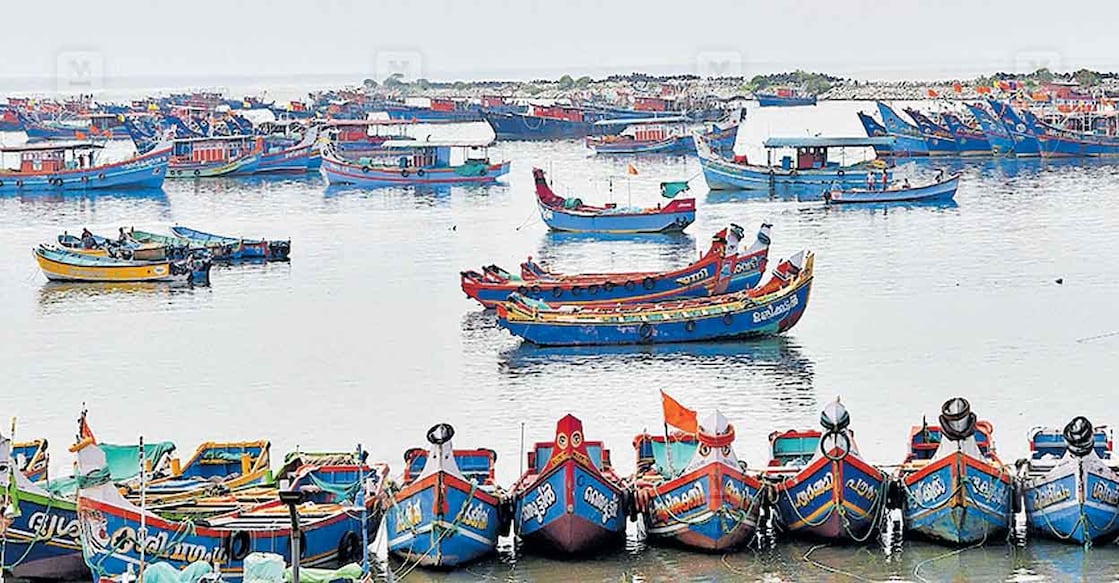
113,40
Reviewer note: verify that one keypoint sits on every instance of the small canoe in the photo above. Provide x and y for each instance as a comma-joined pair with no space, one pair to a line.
942,191
63,265
574,216
234,249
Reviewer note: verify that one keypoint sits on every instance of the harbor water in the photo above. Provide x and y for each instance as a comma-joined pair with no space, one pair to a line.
1005,297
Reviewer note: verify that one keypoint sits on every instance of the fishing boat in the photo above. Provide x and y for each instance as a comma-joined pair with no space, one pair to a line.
76,165
569,501
1025,142
573,215
970,140
905,143
772,308
176,247
825,490
656,135
1069,484
31,459
211,156
281,156
108,524
956,489
551,122
785,97
690,487
62,265
936,142
721,135
940,140
448,511
940,190
809,174
993,129
722,269
411,162
234,248
105,247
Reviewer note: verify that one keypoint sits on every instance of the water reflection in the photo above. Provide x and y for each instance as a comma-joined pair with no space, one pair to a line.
62,296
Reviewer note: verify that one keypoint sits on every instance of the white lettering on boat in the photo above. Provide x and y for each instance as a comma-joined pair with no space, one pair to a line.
1050,494
1103,492
476,516
862,488
607,504
929,490
46,526
668,505
813,491
538,506
774,310
749,265
693,278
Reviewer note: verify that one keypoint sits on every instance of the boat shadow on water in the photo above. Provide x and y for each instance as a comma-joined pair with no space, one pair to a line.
429,194
66,296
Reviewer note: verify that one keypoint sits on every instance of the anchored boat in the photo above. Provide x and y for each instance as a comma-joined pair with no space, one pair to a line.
448,511
956,489
121,249
941,190
825,490
53,166
771,308
63,265
236,249
569,501
1069,486
212,156
572,215
410,162
657,135
722,269
690,486
993,130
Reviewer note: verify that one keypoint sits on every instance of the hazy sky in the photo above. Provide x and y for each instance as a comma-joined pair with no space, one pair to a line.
518,39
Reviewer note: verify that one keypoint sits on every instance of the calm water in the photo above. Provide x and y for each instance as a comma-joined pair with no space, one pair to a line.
366,337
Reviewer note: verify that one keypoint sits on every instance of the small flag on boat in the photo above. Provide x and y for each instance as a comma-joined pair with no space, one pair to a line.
84,432
678,415
957,87
671,189
933,93
631,169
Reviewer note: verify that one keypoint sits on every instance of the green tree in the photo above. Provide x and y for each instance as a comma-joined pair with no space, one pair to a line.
583,82
369,84
1086,78
566,82
395,81
1043,75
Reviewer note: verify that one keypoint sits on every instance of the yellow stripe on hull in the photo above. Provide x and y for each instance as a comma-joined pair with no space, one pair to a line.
56,271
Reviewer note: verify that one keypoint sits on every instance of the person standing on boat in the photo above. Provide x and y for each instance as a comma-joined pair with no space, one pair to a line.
87,239
905,183
870,181
885,179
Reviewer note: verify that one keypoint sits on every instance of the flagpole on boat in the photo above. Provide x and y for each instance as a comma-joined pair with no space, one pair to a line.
143,533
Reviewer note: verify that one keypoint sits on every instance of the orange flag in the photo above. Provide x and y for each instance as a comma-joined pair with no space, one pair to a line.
678,415
631,169
932,93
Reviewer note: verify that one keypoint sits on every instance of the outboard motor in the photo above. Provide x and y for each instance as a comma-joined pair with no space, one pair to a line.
957,422
1080,436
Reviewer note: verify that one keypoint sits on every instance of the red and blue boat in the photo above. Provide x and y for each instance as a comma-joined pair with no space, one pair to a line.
970,139
1069,484
657,135
552,122
785,97
1025,142
997,136
235,248
207,157
939,138
771,308
283,156
574,216
693,491
569,501
55,166
722,269
957,491
916,141
825,489
447,511
414,162
721,135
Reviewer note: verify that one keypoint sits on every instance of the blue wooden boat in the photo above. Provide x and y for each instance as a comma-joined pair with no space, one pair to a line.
554,122
58,166
236,249
970,140
916,141
956,489
825,490
722,269
810,173
1069,486
721,135
282,156
207,157
1055,142
573,215
999,139
939,139
448,511
785,97
771,308
940,190
1025,142
655,135
31,459
412,162
218,534
569,501
692,490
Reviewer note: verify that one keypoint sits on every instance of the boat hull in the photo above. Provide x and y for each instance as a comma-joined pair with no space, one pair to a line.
958,500
242,166
57,269
736,319
779,101
43,541
522,126
933,192
673,145
442,521
570,510
712,508
671,219
146,171
832,500
336,171
1077,501
721,174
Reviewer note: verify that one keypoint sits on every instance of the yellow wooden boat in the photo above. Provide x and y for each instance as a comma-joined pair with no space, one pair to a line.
64,265
108,248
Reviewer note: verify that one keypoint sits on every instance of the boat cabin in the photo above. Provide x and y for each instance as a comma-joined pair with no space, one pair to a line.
429,154
476,465
215,148
560,112
652,103
648,129
49,157
925,440
665,456
812,153
542,452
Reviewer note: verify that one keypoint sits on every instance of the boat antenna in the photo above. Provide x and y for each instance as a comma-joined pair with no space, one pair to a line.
143,532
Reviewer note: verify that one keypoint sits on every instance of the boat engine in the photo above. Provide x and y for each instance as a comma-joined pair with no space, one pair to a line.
1080,436
957,422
